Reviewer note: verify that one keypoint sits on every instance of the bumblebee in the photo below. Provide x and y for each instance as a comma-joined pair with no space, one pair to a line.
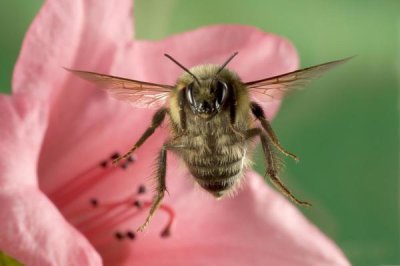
213,121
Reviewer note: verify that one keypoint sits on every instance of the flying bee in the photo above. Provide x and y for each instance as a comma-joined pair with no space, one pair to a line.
213,120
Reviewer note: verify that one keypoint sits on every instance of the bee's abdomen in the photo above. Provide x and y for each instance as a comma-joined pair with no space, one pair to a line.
217,170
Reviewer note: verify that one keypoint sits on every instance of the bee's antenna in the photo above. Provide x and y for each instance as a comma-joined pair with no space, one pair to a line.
184,68
226,62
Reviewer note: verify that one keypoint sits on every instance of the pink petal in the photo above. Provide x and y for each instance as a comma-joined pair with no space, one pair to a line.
32,229
260,55
80,33
34,232
21,135
257,227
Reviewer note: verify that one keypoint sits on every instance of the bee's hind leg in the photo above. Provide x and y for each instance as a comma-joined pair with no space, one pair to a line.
272,170
259,114
160,183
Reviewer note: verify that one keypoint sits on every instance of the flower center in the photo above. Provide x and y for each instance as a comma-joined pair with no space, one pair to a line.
98,219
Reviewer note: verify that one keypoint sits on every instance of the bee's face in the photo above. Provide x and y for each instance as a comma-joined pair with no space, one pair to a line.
209,93
207,98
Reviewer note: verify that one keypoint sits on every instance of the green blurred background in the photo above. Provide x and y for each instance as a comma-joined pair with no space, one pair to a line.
344,126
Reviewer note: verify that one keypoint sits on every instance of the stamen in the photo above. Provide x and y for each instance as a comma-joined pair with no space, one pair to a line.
94,202
171,214
124,165
137,204
63,188
131,159
119,235
68,192
142,189
131,235
166,232
83,184
104,164
101,217
115,155
113,220
98,219
71,182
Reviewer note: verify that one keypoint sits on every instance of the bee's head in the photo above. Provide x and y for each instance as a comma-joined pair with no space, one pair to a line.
206,98
205,91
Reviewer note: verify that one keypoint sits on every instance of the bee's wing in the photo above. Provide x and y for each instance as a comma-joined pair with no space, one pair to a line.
138,93
266,89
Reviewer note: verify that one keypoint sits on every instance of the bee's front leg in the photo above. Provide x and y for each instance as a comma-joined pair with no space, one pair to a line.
259,114
272,170
160,180
158,118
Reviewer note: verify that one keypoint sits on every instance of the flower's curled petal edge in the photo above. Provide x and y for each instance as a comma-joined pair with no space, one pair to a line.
24,121
70,34
34,232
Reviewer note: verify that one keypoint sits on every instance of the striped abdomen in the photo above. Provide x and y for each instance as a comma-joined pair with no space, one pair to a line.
218,168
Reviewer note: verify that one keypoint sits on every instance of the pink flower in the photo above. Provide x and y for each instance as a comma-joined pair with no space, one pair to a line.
61,203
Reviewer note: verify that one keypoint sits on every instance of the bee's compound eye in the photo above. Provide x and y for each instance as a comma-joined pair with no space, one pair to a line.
189,93
221,92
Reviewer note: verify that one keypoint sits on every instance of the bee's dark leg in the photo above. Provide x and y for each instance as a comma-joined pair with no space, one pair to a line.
259,114
160,180
182,114
160,188
158,118
272,170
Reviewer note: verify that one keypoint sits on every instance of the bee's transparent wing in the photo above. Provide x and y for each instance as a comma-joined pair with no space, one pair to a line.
138,93
264,90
